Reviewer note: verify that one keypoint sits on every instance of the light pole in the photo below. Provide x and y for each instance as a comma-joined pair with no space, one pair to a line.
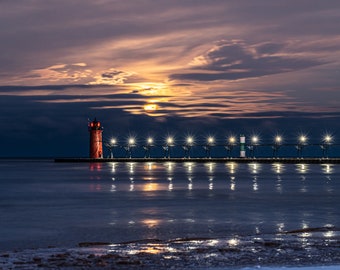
189,142
207,147
253,143
277,144
230,145
147,147
131,143
326,142
111,144
302,142
169,142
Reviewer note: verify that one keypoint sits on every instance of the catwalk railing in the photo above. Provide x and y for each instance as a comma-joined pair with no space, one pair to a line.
220,150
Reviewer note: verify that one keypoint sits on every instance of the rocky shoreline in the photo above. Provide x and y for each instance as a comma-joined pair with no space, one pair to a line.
291,249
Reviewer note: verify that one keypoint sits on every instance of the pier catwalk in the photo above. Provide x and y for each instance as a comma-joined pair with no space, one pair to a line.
203,160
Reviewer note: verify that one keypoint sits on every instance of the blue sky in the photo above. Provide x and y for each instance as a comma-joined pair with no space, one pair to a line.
162,67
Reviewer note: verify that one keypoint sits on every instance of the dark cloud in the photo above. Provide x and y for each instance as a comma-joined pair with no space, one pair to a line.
112,74
43,33
237,60
11,88
269,48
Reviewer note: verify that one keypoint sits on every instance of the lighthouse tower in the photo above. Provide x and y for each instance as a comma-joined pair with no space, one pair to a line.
96,141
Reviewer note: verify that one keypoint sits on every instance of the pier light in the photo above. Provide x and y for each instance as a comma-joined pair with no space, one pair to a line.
230,145
131,141
113,141
255,140
232,140
327,139
277,144
187,147
111,144
210,140
169,141
147,147
149,141
302,141
326,142
278,139
190,140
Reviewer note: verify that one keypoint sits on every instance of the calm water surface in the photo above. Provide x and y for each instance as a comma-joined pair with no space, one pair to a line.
43,203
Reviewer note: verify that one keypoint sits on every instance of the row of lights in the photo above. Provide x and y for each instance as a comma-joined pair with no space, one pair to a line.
169,142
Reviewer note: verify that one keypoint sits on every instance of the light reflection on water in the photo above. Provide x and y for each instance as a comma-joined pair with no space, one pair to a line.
254,168
327,168
232,167
131,167
279,184
265,180
232,183
166,200
302,168
151,223
278,168
153,174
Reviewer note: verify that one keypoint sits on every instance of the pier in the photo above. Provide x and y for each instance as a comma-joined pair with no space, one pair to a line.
241,149
205,160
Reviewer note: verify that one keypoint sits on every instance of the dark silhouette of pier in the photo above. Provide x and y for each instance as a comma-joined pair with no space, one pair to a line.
309,160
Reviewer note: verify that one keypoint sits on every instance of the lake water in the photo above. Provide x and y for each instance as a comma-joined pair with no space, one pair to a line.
43,204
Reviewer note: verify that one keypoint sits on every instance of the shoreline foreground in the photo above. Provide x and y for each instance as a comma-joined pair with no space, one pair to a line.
270,252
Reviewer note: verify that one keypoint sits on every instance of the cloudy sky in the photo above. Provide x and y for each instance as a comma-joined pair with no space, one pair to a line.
180,66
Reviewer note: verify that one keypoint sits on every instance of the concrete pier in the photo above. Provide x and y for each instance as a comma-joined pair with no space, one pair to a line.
306,160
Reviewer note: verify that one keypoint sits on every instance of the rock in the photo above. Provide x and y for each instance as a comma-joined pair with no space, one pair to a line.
5,255
91,244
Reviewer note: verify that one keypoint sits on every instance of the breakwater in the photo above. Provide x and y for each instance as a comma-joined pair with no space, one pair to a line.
204,160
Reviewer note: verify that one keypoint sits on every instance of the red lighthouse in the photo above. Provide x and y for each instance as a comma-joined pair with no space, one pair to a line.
96,141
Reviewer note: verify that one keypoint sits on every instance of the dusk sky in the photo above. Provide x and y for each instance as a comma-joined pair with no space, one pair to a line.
157,67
